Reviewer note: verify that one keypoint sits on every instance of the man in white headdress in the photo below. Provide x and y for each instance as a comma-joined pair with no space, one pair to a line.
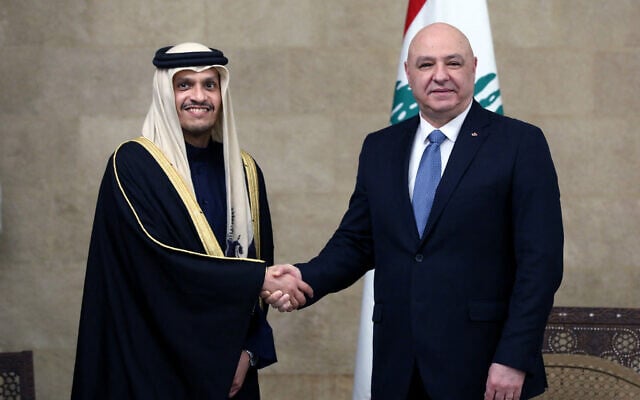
179,248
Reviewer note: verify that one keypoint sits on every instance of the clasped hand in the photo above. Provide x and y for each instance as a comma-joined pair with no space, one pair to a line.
284,289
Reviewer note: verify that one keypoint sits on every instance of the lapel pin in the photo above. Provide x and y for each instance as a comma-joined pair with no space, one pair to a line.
474,134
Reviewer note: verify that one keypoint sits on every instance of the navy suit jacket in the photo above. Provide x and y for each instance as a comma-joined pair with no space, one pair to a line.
479,285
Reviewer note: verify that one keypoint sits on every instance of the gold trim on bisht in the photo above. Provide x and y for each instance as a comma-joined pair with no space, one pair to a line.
251,171
207,237
254,197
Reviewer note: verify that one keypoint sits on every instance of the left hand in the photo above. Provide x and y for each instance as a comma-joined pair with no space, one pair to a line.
241,373
504,383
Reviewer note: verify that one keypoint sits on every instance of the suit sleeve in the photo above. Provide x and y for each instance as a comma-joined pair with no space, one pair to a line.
538,242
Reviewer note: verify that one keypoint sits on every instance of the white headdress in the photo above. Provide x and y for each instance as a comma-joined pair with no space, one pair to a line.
162,127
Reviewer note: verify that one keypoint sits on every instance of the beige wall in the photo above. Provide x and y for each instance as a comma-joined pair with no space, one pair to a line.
309,80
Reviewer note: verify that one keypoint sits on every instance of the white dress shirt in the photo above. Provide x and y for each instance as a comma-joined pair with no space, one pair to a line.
420,143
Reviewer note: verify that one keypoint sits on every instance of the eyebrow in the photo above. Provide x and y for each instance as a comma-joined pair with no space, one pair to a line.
448,57
191,80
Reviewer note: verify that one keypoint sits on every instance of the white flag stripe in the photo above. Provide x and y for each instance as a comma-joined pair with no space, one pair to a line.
364,354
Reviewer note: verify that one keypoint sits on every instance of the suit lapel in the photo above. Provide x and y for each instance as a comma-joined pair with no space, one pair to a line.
472,134
404,141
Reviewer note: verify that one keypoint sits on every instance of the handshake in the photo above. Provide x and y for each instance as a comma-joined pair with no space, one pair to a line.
284,289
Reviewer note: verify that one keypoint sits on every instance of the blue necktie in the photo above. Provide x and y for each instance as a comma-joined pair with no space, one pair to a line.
427,179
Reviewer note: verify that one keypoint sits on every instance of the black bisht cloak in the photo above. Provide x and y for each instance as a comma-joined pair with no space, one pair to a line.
160,318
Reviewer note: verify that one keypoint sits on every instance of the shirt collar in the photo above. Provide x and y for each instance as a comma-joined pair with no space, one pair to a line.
202,153
451,129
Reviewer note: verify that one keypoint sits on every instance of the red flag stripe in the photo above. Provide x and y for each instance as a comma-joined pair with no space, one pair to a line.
412,10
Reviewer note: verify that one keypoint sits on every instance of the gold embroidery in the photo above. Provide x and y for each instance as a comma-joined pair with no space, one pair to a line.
254,199
207,237
185,195
254,202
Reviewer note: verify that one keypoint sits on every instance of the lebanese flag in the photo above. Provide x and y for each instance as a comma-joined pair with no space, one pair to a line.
472,18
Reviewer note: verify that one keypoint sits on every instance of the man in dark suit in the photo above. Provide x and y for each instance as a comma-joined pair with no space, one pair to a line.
462,293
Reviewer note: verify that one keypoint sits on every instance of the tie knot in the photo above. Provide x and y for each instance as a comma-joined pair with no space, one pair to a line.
436,137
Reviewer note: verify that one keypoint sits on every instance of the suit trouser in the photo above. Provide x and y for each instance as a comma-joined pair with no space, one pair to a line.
416,388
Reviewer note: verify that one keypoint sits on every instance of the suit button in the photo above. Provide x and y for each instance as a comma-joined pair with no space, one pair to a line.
419,257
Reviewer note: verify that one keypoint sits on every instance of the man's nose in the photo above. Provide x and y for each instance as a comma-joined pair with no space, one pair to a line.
198,93
440,73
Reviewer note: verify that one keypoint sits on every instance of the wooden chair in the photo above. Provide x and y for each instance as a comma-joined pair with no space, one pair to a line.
592,353
16,376
584,377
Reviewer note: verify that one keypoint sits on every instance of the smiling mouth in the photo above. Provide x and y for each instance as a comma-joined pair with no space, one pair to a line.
197,108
